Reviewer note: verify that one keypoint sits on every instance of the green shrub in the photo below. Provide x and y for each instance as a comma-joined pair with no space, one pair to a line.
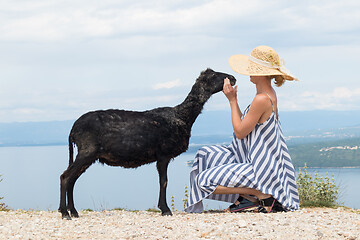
317,191
185,196
172,204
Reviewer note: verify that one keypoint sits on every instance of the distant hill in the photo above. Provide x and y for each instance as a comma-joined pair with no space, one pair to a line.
34,133
339,153
210,127
321,138
219,122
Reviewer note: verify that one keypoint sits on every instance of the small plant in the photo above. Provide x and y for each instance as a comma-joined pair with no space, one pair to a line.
3,207
88,210
317,191
153,210
186,196
119,209
172,204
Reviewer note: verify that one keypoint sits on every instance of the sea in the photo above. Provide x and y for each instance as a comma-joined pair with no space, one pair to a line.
31,180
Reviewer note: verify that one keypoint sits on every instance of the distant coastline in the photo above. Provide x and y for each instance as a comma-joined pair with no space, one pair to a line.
300,153
34,145
331,144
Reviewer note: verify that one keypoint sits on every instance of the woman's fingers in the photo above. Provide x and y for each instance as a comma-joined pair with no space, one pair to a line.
229,91
227,86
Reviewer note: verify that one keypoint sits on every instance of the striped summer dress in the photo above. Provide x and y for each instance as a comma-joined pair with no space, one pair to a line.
260,160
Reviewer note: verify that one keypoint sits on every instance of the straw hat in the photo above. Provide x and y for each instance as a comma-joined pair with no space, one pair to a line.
263,61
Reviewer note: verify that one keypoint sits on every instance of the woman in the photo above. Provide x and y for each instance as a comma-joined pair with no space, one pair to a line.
256,166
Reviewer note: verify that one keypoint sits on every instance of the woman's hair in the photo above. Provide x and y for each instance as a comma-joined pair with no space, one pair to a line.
278,80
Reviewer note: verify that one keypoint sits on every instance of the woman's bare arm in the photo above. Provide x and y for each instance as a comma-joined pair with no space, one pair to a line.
242,127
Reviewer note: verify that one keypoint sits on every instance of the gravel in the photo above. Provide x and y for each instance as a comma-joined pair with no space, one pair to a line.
307,223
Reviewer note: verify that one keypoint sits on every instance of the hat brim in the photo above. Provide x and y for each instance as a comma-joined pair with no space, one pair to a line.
241,64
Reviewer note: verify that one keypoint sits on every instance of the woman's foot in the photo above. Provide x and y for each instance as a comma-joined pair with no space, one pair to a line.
243,205
244,201
234,204
266,204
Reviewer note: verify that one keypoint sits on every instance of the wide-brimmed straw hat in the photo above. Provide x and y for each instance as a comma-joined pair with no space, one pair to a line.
263,61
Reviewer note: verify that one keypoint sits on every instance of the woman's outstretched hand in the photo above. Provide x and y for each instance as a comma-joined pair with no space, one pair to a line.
229,91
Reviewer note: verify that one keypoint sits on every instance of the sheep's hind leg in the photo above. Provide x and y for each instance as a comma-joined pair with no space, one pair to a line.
162,165
70,195
68,179
63,188
70,190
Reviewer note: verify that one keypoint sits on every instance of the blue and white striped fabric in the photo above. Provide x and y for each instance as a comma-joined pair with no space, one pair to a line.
260,160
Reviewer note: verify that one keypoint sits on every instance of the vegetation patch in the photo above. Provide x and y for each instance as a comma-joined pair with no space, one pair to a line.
153,210
88,210
317,191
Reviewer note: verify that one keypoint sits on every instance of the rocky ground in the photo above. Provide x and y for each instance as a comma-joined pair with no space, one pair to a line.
309,223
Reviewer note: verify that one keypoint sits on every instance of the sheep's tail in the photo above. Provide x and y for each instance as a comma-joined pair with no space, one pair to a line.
71,150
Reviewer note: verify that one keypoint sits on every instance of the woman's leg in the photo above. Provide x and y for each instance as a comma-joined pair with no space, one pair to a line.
206,159
242,191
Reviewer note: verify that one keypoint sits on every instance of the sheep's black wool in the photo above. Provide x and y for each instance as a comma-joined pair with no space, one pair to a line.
131,139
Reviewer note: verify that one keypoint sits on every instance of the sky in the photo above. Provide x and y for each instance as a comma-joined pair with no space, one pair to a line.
62,58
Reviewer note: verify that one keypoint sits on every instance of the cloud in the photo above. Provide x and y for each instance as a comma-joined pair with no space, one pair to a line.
338,93
342,92
58,20
167,85
340,98
169,23
320,15
60,59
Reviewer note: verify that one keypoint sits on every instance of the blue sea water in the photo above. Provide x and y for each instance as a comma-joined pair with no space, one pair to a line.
31,181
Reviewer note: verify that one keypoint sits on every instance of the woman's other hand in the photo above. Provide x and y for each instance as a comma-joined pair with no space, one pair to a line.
229,91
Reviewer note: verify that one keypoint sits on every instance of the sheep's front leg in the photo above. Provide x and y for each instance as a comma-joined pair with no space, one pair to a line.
162,165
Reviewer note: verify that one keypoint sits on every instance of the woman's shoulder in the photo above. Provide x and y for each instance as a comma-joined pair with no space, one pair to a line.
261,99
261,104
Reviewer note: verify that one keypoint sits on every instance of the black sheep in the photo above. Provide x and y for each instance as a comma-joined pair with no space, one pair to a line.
131,139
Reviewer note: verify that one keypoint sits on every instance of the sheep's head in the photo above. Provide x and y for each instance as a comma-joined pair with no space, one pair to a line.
213,82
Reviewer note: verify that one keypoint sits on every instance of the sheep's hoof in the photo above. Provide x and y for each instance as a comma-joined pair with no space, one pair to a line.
66,217
64,214
74,214
167,213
